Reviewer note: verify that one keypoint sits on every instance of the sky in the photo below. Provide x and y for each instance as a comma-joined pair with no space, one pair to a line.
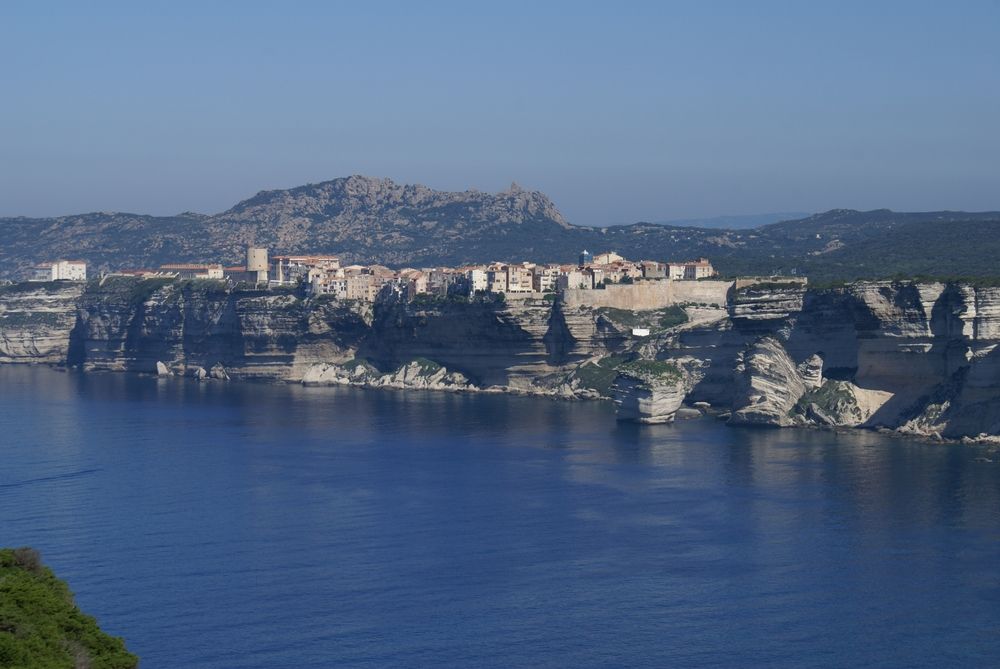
620,112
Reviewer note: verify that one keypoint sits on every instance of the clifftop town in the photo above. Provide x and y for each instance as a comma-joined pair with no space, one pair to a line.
325,275
914,357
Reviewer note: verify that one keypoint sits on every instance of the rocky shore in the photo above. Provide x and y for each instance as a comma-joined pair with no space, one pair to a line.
916,358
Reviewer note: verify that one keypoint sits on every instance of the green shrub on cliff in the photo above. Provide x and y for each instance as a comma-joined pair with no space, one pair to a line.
139,290
651,370
770,286
427,367
205,287
599,375
654,319
31,318
41,627
673,316
33,287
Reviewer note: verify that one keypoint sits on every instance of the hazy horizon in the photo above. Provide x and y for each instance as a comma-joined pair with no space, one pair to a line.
739,220
642,113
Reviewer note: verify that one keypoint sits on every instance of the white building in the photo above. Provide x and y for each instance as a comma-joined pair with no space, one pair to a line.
544,278
699,269
518,279
478,280
607,258
60,270
291,269
695,269
574,279
324,285
496,278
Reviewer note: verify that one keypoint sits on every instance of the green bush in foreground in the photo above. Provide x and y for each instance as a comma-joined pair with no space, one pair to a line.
41,627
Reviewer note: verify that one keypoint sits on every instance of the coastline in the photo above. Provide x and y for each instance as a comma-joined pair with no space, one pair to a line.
922,359
687,412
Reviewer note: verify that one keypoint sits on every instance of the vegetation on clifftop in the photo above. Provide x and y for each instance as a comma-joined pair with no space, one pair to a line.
599,375
651,370
41,627
654,319
48,287
427,366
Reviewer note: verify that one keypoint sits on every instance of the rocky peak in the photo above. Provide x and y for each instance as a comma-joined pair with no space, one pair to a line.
366,218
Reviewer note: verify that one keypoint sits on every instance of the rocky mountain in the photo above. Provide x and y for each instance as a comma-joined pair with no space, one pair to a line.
360,218
376,220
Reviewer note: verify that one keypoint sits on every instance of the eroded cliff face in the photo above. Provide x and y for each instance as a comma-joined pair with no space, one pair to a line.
524,345
36,320
206,328
768,383
915,357
649,392
185,327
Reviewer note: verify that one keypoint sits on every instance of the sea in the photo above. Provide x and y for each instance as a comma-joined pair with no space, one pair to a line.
242,525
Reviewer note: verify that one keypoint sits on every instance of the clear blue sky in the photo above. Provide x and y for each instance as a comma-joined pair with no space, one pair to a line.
619,111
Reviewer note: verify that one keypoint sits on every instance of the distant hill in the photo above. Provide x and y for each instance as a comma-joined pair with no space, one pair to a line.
741,222
376,220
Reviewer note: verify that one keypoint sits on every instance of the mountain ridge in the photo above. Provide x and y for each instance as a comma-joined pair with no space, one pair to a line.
735,222
368,219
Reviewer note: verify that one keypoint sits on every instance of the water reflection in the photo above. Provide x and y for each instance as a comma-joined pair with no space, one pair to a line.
372,528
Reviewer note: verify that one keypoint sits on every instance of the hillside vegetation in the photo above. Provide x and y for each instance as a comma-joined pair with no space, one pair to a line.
41,627
378,221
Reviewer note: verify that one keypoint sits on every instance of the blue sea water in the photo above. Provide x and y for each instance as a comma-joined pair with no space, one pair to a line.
250,525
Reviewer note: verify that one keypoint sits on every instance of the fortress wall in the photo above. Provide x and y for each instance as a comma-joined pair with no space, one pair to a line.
709,292
640,296
646,295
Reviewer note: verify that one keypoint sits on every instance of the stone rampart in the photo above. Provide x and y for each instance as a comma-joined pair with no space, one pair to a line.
715,293
647,295
639,296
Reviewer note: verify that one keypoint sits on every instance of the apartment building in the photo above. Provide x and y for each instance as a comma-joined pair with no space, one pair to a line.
60,270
